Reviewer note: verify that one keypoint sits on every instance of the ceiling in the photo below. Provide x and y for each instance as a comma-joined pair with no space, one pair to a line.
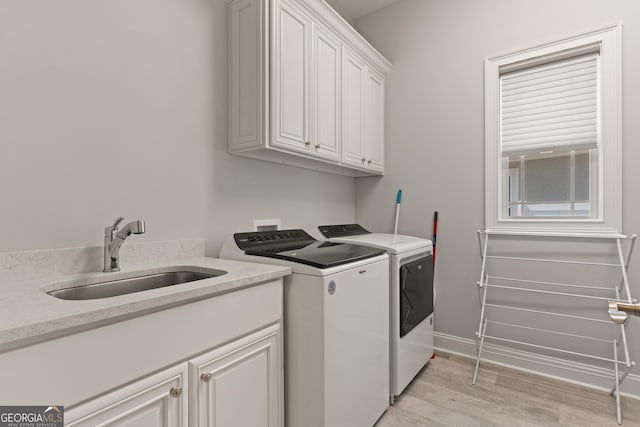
354,9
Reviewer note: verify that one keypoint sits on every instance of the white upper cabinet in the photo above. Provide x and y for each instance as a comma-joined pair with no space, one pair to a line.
291,77
353,99
326,93
363,114
300,83
374,121
247,74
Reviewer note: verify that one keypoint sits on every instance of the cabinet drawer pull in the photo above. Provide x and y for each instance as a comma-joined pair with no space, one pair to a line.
363,160
205,376
307,143
176,391
317,146
369,162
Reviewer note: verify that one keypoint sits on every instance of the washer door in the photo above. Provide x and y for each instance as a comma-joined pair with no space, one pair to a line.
416,293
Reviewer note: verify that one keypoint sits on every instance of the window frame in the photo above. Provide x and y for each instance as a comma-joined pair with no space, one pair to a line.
609,210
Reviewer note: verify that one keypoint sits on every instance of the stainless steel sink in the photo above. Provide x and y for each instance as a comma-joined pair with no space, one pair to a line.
109,288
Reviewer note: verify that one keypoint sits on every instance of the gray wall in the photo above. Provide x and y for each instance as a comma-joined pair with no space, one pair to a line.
114,108
335,4
435,124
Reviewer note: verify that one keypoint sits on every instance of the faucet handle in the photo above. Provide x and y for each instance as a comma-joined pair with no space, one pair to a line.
109,230
116,222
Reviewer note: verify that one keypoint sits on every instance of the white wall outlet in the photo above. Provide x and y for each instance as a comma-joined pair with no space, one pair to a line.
266,224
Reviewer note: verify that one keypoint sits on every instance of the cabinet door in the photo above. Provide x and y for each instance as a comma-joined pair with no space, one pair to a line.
290,100
240,384
325,97
247,81
374,121
353,87
158,400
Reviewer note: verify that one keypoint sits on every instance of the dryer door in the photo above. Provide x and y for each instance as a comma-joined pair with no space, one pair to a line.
416,293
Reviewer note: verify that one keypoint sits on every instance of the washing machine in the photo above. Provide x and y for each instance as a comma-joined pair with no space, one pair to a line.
410,294
336,332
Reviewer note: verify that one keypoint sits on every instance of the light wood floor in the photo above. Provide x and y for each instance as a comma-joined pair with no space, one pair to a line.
442,395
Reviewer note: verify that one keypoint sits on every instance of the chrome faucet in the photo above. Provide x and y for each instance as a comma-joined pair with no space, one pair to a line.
114,238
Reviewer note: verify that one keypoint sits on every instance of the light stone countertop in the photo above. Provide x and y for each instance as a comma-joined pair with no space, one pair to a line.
28,314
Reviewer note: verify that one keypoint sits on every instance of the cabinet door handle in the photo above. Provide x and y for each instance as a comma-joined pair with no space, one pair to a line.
307,143
363,160
175,391
369,162
205,376
317,146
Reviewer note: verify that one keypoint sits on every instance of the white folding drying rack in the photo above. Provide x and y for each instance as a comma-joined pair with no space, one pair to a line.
619,292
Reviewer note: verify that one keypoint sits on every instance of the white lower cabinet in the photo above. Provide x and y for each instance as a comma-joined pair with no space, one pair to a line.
157,400
238,384
211,362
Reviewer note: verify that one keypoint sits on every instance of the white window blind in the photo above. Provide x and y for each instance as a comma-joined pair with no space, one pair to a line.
552,106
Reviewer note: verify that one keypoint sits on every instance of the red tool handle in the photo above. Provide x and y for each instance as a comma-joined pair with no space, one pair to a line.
435,235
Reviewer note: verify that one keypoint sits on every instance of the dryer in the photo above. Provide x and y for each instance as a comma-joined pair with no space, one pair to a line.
336,329
410,295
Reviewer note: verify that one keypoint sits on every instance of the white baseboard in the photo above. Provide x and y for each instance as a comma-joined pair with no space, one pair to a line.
588,376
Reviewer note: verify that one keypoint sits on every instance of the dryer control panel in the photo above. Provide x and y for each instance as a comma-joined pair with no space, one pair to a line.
261,239
342,230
